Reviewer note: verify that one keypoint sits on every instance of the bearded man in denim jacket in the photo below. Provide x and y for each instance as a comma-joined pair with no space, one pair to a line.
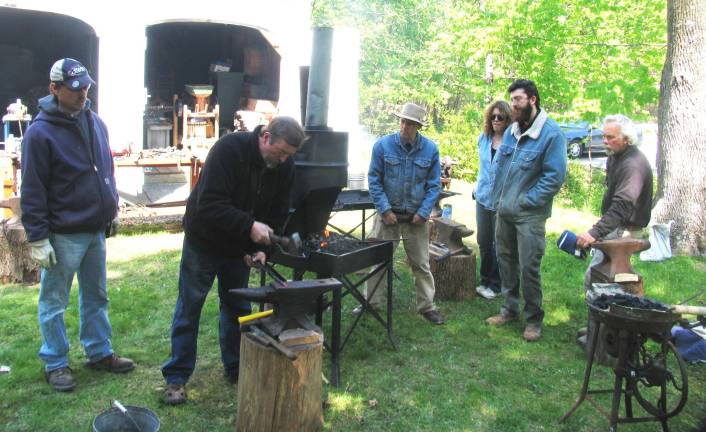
531,169
404,183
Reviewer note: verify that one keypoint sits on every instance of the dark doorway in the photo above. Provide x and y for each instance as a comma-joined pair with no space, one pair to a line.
238,61
30,42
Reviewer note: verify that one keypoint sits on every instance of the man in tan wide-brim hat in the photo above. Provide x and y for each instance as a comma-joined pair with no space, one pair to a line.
412,112
404,183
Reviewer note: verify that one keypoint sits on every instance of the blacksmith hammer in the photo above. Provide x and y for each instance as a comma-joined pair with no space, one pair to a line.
268,340
291,245
451,253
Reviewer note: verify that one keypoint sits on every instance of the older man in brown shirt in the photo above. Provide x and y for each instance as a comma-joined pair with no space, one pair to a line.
627,201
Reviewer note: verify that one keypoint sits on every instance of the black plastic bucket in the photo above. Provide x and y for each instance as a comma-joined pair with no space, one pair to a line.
113,420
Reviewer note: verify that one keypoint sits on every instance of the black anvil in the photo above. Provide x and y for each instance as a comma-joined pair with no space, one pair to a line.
292,302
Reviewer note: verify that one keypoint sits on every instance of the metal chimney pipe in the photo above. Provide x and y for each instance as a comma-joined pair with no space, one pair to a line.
319,79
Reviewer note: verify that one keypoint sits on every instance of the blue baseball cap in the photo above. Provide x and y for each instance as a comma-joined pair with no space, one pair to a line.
71,72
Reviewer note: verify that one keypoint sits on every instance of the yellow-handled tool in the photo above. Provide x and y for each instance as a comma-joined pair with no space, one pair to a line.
247,318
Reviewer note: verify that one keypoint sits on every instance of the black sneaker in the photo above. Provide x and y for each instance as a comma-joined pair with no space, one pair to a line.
434,317
61,379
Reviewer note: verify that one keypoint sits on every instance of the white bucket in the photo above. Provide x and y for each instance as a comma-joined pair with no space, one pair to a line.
356,180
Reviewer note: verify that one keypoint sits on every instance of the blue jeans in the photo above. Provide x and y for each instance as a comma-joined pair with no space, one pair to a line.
520,246
82,253
197,272
489,272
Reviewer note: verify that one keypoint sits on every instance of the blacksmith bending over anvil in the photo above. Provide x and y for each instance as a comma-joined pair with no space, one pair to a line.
243,191
404,182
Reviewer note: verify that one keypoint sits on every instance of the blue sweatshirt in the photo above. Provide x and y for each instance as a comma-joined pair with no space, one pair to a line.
68,183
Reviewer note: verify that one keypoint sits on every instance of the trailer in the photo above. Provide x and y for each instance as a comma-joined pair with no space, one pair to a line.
145,58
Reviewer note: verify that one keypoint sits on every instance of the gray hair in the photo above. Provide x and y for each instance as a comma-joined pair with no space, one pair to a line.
285,128
627,127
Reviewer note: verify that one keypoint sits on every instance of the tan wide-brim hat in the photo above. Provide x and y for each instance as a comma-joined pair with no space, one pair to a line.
412,112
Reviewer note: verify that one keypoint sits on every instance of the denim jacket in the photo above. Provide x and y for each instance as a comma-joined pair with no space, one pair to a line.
404,182
488,166
531,169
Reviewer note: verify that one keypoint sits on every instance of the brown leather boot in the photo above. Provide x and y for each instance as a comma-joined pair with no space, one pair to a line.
501,319
532,332
112,363
61,379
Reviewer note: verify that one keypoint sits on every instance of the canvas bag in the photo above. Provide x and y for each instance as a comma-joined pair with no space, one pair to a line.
661,246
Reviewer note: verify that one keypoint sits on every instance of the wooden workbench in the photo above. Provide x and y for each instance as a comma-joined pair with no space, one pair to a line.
193,162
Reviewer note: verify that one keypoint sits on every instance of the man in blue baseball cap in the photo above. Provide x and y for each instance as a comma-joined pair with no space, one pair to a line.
71,73
69,199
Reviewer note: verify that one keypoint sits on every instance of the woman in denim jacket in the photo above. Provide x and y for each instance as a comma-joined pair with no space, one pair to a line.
496,120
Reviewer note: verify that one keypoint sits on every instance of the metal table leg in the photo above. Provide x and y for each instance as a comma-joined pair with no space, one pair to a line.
336,337
620,372
592,343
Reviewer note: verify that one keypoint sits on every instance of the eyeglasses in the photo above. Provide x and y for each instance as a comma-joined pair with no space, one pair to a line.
498,117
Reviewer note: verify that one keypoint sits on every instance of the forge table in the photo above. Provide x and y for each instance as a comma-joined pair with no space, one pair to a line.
360,200
379,256
648,370
353,200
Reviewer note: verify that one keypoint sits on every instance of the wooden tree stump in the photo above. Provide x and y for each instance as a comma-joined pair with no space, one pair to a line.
454,277
16,263
278,394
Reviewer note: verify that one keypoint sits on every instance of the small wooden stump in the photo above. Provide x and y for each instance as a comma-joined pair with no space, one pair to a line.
275,393
16,264
454,277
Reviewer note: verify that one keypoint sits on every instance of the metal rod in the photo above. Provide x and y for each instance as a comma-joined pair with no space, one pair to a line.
274,343
698,294
123,410
688,310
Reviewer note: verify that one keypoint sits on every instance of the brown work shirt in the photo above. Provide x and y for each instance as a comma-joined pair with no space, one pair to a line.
627,202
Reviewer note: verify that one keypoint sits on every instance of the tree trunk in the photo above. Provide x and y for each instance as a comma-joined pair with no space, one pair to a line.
681,154
16,264
278,394
454,277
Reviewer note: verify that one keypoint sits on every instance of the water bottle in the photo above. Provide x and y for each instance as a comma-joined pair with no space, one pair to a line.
10,144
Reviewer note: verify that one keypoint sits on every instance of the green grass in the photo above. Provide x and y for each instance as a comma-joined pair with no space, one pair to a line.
463,376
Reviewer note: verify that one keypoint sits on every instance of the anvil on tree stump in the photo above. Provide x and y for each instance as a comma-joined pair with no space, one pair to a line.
616,261
452,264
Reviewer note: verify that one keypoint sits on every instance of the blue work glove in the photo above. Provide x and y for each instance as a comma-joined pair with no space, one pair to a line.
43,252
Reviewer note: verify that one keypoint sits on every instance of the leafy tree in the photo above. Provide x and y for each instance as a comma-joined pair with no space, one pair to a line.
589,58
681,191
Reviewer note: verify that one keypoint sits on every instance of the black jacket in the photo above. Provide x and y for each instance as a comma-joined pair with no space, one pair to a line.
627,202
235,188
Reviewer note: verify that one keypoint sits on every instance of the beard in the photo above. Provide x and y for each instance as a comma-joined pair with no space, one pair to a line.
271,164
523,115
